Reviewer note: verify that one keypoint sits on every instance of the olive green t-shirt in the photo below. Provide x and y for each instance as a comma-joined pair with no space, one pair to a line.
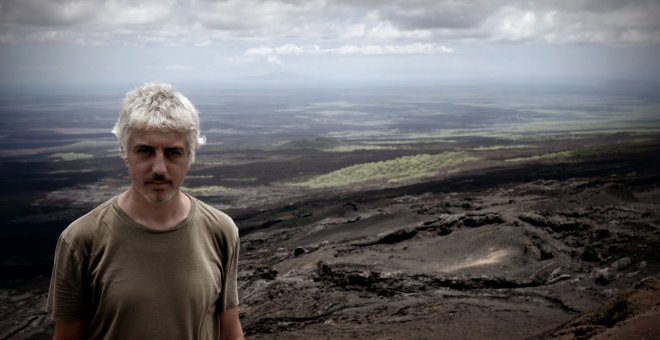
130,282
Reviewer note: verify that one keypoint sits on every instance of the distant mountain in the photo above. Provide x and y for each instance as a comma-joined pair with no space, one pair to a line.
280,77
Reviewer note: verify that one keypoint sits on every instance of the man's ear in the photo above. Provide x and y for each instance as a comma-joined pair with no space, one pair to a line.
124,156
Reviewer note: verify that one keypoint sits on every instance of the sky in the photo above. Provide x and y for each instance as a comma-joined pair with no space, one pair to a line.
340,41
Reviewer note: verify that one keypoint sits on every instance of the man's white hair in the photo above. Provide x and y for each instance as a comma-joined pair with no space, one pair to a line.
159,106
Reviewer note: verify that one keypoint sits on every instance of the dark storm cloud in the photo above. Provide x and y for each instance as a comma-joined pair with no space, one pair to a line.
430,14
62,13
369,21
46,13
590,21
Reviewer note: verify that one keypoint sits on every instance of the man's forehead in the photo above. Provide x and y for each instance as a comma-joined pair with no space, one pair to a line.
158,138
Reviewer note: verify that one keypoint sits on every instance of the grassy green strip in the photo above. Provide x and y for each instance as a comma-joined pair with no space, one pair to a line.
394,170
208,189
71,156
593,151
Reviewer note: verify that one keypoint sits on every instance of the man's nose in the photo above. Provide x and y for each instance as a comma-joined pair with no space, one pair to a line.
159,167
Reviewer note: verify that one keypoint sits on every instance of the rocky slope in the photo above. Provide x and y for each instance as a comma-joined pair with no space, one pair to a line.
451,260
522,252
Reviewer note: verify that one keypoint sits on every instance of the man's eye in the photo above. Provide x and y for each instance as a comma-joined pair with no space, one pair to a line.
142,150
174,152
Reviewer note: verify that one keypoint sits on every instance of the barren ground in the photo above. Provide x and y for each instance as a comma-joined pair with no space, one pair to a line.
507,254
507,251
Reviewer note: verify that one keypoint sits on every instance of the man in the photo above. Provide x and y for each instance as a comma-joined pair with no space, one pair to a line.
152,262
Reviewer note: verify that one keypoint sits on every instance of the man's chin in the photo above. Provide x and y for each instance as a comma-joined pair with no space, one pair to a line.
159,196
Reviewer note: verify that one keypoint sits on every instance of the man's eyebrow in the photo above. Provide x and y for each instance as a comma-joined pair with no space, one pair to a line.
140,146
151,147
175,149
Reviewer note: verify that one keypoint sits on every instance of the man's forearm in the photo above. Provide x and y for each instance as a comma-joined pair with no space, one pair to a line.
69,330
230,325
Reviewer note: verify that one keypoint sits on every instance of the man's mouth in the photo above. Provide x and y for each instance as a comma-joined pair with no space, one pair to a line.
158,183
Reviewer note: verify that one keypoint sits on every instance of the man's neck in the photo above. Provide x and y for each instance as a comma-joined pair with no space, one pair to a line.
154,215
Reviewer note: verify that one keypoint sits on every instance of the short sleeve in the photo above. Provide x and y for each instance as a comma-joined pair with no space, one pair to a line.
229,294
66,292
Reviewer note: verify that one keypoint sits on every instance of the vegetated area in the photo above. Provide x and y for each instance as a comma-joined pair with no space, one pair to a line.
370,225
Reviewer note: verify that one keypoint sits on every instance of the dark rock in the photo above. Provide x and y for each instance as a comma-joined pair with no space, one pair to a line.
600,234
590,254
442,231
540,250
397,236
603,277
622,263
555,223
619,191
323,269
351,205
474,221
266,273
617,310
299,251
302,214
270,223
535,220
346,277
446,220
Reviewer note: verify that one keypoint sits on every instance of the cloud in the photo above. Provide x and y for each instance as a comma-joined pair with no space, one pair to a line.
111,13
257,17
415,48
46,13
290,49
396,22
559,21
271,55
513,24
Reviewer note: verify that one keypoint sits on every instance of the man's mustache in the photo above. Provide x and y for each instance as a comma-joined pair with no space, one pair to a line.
158,178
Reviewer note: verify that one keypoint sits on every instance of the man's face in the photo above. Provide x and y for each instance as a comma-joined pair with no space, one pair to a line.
157,163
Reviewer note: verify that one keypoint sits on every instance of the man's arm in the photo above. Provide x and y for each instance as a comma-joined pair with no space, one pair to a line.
230,325
68,330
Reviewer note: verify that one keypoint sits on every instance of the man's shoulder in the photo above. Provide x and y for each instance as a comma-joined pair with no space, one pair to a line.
89,225
214,218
